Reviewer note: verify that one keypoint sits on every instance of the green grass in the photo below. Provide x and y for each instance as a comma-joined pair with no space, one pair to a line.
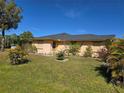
45,75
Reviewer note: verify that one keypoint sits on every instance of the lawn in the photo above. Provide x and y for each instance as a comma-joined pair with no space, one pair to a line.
45,75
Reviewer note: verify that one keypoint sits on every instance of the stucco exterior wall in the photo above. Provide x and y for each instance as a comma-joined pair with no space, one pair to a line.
61,46
45,47
96,46
95,49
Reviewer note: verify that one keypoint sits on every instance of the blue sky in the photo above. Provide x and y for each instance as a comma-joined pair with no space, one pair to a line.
43,17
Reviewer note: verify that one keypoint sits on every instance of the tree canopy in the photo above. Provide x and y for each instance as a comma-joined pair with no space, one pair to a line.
26,36
10,16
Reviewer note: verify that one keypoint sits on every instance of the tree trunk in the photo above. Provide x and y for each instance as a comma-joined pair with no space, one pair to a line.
3,40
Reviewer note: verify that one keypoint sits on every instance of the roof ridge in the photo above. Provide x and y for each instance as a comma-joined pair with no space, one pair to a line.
88,34
63,33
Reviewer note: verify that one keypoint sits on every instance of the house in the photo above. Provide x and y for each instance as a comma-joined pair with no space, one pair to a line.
48,45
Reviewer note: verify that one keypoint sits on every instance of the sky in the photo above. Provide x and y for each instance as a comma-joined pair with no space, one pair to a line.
45,17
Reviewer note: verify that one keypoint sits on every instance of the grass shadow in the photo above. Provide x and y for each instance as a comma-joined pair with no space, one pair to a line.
102,71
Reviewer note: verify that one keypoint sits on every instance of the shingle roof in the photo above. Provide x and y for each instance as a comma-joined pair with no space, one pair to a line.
81,37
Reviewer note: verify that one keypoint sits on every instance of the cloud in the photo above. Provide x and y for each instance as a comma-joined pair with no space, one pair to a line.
72,10
68,12
72,13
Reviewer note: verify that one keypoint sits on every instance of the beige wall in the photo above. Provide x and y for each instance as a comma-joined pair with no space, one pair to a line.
61,46
45,47
95,49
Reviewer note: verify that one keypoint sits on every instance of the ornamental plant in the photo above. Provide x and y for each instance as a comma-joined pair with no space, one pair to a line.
74,48
60,55
29,48
103,54
18,56
88,52
115,61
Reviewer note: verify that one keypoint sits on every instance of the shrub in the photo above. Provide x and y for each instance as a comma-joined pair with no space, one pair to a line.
74,48
34,49
115,60
18,56
29,48
60,55
88,52
102,54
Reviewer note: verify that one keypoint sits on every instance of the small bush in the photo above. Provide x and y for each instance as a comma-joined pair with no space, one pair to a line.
102,54
29,48
18,56
74,48
88,52
60,55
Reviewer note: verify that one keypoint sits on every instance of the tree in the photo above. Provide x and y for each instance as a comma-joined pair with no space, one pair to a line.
14,39
10,16
26,37
7,43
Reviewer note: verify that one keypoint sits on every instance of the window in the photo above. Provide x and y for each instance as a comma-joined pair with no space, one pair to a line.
54,45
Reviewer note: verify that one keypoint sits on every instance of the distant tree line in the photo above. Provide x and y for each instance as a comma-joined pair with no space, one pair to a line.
14,39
